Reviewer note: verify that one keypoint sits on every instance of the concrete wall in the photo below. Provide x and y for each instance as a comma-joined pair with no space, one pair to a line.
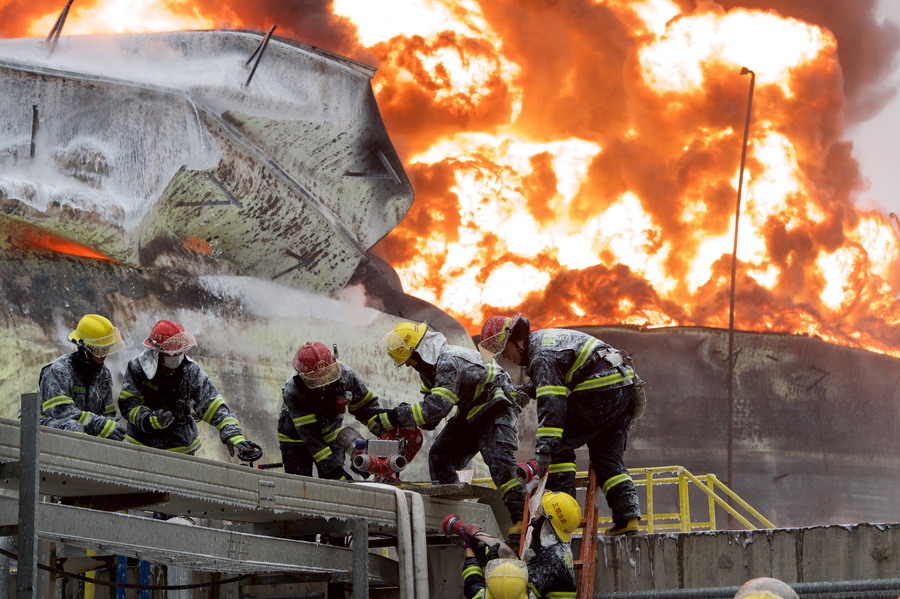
662,562
730,558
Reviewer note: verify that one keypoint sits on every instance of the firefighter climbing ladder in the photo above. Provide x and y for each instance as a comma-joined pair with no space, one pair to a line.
716,493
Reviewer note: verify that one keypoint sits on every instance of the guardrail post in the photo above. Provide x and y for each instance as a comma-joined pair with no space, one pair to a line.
29,478
684,501
651,512
360,530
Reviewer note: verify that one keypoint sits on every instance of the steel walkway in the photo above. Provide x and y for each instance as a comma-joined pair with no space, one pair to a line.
251,511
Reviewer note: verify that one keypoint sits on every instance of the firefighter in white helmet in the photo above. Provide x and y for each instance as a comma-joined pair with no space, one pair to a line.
486,416
588,393
164,392
76,389
315,398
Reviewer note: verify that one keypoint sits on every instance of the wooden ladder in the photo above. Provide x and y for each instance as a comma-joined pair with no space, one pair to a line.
586,566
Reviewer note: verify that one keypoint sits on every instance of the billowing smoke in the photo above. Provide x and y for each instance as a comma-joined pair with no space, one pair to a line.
579,160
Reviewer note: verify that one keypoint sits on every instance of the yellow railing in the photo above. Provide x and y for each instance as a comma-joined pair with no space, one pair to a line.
652,479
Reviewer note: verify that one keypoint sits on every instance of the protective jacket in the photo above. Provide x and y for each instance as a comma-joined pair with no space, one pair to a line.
459,378
586,393
314,417
76,394
562,362
188,393
485,421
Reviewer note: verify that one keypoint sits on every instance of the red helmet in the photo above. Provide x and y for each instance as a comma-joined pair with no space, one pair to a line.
169,337
316,365
495,334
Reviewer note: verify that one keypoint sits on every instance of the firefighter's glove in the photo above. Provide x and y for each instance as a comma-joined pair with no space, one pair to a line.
247,451
492,552
112,430
156,420
521,397
374,425
541,463
387,421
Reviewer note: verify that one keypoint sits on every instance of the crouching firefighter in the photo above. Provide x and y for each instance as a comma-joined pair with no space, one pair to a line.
315,398
76,389
548,568
164,391
486,416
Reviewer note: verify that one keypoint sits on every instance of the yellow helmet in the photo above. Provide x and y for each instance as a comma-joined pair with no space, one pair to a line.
563,512
506,579
97,334
403,339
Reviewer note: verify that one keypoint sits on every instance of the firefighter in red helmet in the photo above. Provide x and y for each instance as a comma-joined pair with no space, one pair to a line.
164,391
315,398
588,393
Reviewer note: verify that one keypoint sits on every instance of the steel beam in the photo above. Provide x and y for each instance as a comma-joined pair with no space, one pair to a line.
77,465
28,473
197,548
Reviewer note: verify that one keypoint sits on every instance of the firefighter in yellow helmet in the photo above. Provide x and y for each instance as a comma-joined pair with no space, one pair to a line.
486,413
548,566
76,389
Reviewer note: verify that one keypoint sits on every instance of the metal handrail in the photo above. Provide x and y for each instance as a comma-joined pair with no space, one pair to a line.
716,492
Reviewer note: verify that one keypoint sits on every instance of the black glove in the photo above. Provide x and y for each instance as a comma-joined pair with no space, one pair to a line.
492,552
375,427
392,421
247,451
156,420
117,433
542,462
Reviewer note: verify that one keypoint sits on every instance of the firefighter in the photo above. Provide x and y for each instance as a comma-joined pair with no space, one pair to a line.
587,394
310,423
164,391
76,388
486,415
548,569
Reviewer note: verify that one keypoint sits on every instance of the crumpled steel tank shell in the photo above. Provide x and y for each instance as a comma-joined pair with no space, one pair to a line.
132,144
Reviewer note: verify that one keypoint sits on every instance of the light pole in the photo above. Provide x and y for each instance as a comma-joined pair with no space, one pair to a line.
737,216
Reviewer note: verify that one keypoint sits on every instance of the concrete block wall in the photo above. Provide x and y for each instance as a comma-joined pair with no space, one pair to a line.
834,553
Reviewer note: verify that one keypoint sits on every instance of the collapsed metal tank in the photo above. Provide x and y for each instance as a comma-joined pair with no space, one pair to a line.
142,177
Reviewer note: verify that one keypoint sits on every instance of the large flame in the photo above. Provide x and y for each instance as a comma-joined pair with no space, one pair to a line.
579,161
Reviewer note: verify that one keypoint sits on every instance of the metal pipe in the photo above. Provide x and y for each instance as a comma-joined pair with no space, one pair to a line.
34,128
29,453
419,544
737,216
53,37
260,49
887,588
360,530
